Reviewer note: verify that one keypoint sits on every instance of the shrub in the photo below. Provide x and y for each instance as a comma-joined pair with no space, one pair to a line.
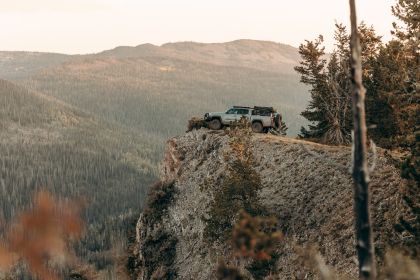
196,123
159,198
261,268
238,190
257,238
159,246
159,253
225,272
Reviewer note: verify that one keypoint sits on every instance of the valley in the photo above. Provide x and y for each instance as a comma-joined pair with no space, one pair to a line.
93,127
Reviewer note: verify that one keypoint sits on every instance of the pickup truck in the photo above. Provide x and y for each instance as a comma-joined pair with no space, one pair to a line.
262,119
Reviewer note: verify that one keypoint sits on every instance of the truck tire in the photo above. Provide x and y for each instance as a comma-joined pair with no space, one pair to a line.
215,124
257,127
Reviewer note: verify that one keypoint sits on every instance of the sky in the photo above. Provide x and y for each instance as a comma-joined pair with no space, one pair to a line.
89,26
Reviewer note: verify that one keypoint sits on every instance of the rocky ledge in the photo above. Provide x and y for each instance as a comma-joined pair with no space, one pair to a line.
305,185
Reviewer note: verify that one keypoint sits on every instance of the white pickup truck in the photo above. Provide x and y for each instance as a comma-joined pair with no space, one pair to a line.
262,119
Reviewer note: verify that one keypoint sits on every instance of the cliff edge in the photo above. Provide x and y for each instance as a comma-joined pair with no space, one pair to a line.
305,185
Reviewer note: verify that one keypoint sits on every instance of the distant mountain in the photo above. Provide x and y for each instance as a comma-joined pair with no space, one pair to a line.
15,65
263,55
155,90
47,144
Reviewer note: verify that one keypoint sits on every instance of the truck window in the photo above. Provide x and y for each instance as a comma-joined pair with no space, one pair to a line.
232,111
243,111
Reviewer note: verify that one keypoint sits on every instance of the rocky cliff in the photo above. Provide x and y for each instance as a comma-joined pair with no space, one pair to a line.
305,185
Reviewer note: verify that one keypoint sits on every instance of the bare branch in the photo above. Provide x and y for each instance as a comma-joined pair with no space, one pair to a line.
363,228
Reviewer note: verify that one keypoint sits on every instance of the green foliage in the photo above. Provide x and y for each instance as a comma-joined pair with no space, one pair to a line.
261,268
311,71
411,165
48,145
396,80
159,246
238,190
228,272
328,107
257,238
160,252
329,110
160,196
408,11
390,75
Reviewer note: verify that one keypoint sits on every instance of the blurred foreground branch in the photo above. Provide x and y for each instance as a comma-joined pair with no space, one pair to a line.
41,235
364,236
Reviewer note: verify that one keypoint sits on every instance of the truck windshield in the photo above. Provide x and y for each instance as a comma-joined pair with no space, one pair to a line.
238,111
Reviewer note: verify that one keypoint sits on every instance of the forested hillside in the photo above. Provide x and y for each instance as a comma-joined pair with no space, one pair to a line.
94,126
15,65
48,145
157,89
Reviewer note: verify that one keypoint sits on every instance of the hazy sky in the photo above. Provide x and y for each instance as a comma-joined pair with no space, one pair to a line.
86,26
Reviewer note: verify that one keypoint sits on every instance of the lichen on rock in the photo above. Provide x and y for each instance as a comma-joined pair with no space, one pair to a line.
311,198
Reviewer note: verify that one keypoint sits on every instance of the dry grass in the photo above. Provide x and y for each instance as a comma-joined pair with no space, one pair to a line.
312,200
196,123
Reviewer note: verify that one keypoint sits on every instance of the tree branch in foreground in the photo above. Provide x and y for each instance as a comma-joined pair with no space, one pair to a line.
364,235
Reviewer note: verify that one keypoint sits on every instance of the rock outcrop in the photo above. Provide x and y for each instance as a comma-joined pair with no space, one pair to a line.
308,188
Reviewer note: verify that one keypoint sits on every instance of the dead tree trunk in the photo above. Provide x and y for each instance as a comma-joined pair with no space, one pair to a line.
364,236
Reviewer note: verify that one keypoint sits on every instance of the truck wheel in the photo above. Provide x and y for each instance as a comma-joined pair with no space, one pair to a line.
215,124
257,127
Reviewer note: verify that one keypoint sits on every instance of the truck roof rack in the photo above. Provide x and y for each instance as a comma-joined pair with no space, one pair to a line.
255,107
264,108
263,111
247,107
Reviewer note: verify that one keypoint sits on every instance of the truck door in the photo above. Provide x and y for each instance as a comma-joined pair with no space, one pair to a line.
242,113
231,115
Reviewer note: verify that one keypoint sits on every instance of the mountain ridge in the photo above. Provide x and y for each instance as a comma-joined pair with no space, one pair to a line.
238,53
13,62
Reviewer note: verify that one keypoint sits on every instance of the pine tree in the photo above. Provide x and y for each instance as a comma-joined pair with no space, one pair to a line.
329,111
408,12
312,73
407,95
382,104
393,99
